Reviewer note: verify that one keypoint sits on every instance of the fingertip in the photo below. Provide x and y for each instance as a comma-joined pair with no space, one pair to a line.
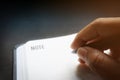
74,45
77,43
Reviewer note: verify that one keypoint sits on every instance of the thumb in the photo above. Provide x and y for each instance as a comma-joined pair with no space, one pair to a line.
98,61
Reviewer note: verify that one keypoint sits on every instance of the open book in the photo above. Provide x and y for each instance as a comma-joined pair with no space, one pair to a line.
48,59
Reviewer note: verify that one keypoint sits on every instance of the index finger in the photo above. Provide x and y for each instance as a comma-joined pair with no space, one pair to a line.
85,35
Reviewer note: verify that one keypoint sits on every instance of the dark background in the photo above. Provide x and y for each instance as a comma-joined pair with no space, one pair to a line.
21,21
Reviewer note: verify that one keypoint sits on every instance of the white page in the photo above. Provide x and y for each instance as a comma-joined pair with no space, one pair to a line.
51,59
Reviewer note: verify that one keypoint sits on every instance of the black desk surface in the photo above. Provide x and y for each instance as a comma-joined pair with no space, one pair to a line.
23,21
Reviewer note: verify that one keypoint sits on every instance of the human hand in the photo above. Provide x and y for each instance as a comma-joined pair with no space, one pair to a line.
91,41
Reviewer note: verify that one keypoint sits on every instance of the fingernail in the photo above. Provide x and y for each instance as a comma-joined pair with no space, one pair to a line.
82,53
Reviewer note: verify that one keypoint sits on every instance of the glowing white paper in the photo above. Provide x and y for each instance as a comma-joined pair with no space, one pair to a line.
47,59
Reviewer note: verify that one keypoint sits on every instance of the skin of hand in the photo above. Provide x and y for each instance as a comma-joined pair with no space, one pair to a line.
93,39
